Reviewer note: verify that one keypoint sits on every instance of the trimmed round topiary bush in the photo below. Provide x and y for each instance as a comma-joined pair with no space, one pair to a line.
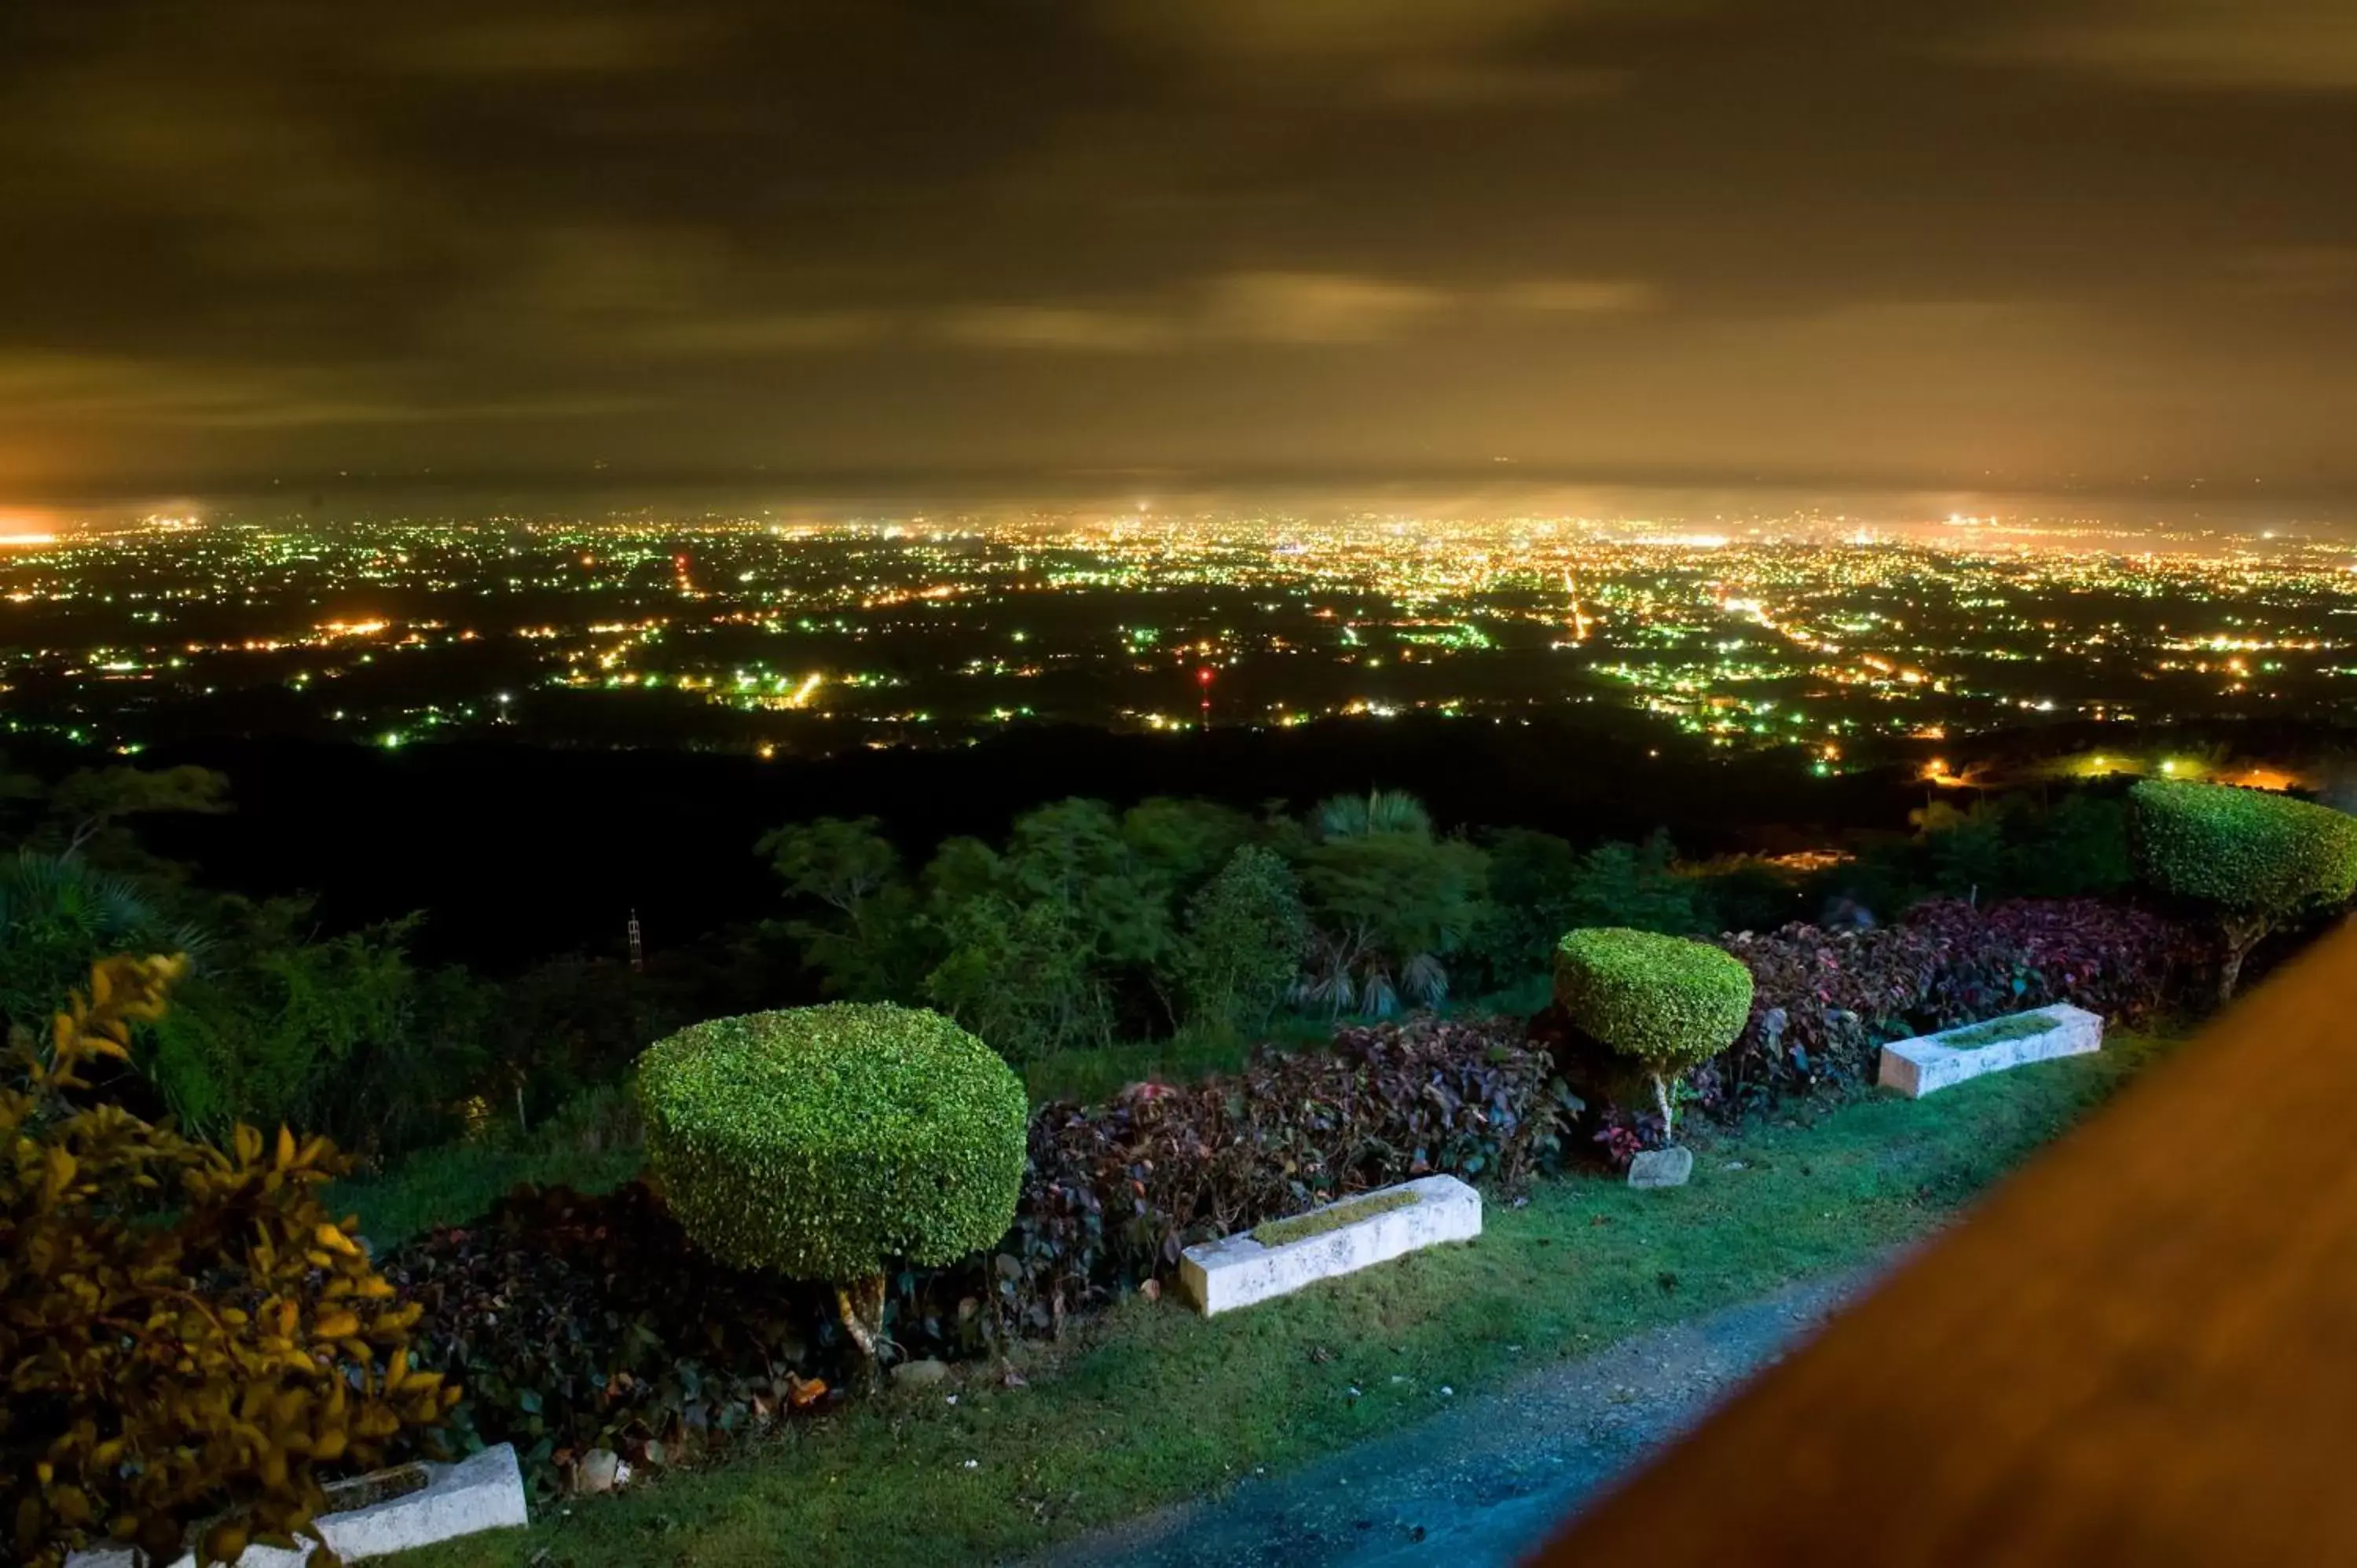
823,1142
1668,1003
2257,859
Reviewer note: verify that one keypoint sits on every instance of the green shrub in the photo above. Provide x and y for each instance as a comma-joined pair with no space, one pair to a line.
1246,931
2259,860
1669,1003
822,1141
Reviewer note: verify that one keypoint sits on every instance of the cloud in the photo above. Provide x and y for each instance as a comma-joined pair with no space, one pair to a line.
2310,44
578,43
763,332
1293,309
896,227
143,393
2297,271
1491,84
1058,327
1582,297
1292,30
1315,307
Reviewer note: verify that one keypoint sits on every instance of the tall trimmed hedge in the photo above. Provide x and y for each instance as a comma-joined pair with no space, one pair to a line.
1665,1002
2257,858
2243,849
822,1141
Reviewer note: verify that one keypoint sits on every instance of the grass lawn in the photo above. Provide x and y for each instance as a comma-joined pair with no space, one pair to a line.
1149,1405
451,1186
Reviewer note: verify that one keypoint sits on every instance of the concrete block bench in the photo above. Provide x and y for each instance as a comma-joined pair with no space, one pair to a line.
1932,1062
1339,1238
438,1502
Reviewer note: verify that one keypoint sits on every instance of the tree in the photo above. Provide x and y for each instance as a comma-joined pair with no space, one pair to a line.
872,944
186,1334
88,803
2258,861
2011,846
1246,931
840,863
1016,973
1053,942
1072,854
1967,850
1540,888
1668,1003
1531,886
570,1023
824,1143
2079,849
1183,843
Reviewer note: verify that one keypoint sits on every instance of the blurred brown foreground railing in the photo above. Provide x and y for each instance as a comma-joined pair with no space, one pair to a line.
2143,1351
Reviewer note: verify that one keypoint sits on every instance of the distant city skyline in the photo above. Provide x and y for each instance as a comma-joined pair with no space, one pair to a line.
1831,644
2173,519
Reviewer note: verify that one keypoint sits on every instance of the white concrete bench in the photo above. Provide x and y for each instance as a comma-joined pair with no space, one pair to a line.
483,1491
1932,1062
1239,1269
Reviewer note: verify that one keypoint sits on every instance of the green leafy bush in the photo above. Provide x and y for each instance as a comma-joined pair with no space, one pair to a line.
1668,1003
823,1142
2260,860
342,1033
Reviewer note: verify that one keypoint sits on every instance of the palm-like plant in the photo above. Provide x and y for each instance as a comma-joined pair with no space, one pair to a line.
58,917
1376,811
1349,972
1390,899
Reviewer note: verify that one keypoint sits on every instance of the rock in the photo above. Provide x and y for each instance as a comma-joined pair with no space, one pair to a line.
1660,1167
919,1374
600,1470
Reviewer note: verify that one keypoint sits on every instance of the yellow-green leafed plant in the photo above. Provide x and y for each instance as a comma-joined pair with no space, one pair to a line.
2258,859
822,1141
187,1338
1666,1003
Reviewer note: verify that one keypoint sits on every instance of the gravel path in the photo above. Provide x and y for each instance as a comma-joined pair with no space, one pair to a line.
1486,1483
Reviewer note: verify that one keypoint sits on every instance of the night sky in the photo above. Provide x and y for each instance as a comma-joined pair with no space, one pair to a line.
2018,243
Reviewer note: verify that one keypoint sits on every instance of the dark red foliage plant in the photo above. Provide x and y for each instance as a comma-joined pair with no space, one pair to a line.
1824,1002
1117,1192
